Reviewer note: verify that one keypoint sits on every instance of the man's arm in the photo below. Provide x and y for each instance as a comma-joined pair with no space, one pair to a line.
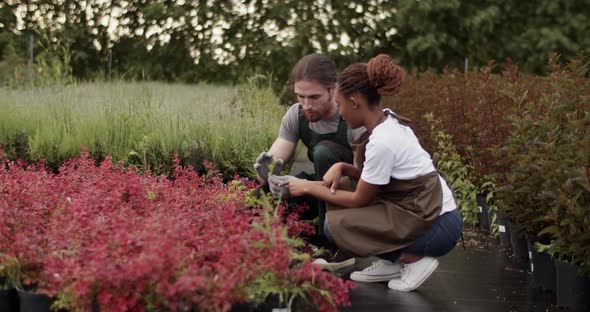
282,149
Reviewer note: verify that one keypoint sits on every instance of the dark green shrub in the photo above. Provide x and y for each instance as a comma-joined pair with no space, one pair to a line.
547,186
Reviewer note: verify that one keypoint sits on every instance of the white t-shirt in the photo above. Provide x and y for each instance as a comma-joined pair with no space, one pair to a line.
393,151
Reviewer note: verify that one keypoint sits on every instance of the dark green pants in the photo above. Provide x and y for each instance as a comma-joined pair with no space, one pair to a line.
323,155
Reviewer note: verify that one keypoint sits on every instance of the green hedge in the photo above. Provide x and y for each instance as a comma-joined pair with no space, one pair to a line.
142,124
547,185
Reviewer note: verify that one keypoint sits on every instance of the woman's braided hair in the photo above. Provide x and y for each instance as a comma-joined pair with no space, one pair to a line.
380,77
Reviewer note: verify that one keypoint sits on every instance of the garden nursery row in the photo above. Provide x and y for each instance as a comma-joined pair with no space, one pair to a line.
138,200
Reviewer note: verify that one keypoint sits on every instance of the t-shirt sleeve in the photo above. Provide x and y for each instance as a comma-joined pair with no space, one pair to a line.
378,165
290,125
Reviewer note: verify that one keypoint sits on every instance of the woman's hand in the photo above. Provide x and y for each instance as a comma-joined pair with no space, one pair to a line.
332,177
297,187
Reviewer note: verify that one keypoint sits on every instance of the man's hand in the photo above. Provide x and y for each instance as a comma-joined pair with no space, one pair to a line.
262,164
276,189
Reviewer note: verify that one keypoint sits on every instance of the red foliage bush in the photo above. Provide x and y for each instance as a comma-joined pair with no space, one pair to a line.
128,241
472,107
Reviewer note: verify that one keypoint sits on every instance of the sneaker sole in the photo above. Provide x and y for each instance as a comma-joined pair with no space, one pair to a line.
333,266
370,279
425,275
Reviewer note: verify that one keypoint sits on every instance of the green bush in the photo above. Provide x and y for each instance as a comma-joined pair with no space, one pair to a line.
455,171
547,187
142,124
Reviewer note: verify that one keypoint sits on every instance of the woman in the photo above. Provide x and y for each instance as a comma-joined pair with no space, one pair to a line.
400,210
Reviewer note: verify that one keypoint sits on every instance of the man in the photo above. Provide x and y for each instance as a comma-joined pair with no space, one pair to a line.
315,120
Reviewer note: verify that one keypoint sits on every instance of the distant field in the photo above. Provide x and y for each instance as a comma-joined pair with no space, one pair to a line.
141,123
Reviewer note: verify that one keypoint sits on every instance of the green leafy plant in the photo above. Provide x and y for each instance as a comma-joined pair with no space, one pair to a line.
455,171
489,188
9,272
547,188
143,124
565,163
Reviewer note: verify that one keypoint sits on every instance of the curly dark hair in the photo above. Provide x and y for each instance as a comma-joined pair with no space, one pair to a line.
380,77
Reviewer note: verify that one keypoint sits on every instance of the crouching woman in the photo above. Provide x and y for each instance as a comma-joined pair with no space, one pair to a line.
398,207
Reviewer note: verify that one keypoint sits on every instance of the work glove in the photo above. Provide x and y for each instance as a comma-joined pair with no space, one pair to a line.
262,164
279,191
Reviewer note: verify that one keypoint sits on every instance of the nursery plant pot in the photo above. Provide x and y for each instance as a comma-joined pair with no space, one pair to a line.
530,250
573,288
243,307
8,300
504,231
33,302
543,271
483,217
519,245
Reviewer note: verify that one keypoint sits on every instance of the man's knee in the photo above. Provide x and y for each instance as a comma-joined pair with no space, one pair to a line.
331,152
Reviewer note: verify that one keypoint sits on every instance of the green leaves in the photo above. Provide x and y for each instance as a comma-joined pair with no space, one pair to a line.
548,158
455,171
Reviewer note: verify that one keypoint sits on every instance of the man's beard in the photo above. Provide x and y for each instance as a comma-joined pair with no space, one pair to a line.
317,115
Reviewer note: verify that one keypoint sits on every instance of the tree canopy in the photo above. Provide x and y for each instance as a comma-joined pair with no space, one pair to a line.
224,40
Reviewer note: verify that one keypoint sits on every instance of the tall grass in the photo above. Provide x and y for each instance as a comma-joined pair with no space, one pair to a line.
142,123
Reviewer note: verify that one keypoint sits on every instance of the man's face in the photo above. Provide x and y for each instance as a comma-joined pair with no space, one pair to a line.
315,99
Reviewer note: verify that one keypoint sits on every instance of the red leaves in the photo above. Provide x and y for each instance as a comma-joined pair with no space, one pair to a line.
128,240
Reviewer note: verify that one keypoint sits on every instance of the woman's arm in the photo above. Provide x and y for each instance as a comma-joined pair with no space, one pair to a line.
337,171
350,171
364,194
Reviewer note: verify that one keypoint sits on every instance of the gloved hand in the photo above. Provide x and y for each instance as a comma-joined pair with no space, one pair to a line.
279,191
262,166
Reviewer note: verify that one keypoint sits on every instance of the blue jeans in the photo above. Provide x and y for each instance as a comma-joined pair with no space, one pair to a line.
437,242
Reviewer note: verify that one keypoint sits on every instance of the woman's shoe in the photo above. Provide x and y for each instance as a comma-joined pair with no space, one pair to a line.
414,274
380,271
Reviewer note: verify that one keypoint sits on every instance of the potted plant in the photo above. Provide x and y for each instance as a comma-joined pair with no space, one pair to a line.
9,278
26,203
566,171
133,241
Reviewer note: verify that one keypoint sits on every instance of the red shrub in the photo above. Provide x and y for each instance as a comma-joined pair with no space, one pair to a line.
128,241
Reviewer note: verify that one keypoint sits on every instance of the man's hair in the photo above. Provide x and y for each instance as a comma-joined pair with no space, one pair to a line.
315,67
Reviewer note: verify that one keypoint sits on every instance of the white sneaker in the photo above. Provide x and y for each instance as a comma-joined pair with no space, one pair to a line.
414,274
339,261
380,271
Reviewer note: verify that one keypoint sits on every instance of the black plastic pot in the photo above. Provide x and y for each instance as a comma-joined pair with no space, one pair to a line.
33,302
8,300
573,288
519,245
543,271
483,216
243,307
504,231
530,250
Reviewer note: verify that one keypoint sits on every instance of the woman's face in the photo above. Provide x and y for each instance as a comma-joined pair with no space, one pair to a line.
348,110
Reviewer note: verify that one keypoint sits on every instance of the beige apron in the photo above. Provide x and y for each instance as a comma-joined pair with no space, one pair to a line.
403,212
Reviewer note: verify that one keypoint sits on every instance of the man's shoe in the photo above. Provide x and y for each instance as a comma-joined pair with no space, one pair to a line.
380,271
414,274
339,260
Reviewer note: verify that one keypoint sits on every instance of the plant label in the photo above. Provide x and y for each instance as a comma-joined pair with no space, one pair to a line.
502,228
480,209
